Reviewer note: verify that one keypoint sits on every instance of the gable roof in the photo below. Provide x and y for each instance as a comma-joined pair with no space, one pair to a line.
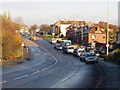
93,30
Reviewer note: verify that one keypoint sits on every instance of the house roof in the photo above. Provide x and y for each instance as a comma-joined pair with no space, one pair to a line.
88,30
93,30
70,22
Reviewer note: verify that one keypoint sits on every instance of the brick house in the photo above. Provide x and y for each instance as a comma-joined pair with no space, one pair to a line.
89,35
94,34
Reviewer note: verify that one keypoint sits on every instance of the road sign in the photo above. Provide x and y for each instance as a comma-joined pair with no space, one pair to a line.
22,44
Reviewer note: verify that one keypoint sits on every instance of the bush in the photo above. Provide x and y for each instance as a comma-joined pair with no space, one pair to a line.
114,57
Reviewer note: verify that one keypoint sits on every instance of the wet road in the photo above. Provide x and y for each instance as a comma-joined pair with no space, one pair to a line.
50,68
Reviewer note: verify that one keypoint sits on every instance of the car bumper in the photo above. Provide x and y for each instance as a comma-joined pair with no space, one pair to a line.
91,60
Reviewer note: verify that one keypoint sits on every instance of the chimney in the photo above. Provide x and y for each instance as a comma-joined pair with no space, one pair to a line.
89,24
98,27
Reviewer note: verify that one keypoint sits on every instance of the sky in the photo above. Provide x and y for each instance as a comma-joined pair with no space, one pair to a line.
48,12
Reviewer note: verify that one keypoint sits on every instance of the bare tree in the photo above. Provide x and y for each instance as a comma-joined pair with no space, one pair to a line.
33,29
44,28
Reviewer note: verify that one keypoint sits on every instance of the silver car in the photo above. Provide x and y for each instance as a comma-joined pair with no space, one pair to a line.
91,57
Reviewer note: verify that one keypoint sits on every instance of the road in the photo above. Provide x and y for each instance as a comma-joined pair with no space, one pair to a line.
50,68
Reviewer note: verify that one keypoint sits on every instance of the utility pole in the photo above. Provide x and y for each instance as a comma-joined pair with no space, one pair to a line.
107,28
53,30
82,35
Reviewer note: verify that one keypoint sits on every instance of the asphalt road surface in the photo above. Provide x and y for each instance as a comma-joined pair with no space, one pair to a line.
50,68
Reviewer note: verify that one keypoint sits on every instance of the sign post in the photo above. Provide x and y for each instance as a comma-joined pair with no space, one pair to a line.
22,49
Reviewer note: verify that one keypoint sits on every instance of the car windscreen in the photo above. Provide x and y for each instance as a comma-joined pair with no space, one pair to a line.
90,54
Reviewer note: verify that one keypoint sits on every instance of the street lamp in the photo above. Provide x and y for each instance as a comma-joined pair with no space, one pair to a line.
22,49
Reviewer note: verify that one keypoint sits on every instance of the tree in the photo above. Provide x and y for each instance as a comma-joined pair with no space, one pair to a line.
11,40
44,28
33,29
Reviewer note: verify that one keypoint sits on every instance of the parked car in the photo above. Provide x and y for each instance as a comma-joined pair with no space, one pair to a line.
28,38
74,51
77,51
91,57
82,56
58,46
97,53
53,41
68,49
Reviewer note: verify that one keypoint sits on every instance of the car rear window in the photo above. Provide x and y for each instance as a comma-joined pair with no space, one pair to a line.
70,48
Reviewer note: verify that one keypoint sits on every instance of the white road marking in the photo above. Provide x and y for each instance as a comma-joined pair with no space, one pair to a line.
51,55
35,54
21,76
3,82
44,69
35,72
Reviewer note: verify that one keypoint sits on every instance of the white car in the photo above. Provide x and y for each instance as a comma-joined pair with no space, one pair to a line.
69,49
53,41
79,52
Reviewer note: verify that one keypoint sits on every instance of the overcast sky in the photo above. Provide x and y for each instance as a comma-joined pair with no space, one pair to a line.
49,12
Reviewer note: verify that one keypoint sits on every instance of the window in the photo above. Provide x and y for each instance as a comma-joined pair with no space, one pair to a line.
103,37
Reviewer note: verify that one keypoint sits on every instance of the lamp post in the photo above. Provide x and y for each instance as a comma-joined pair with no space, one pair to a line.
22,49
82,35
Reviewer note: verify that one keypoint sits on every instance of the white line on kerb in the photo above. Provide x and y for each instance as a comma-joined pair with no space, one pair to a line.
3,82
21,77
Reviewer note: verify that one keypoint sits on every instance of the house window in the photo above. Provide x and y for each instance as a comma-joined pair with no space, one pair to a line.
103,37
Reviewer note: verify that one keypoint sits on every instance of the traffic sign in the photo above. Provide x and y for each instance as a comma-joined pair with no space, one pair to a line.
22,44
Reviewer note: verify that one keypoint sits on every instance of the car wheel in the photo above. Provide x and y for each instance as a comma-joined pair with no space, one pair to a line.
96,61
80,59
86,62
83,60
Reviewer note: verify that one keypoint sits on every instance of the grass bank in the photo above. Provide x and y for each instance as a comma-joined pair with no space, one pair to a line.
26,55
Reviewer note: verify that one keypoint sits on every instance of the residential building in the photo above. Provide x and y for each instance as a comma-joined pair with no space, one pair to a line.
62,25
24,29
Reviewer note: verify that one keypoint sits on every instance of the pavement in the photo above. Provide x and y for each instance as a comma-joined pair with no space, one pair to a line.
50,68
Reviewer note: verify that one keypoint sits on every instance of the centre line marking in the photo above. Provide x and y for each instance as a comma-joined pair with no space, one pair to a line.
21,77
35,72
3,82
